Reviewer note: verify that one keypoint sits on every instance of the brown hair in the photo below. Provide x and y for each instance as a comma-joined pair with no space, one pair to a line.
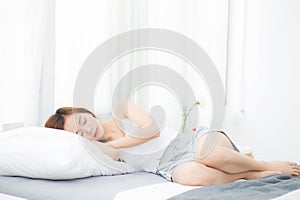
57,120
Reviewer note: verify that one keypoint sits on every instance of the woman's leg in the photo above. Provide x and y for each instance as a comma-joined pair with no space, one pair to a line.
196,174
215,150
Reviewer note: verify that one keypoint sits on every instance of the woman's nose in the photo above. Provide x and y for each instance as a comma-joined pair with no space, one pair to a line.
87,130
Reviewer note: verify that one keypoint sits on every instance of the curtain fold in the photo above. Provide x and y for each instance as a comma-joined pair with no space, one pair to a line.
26,53
75,29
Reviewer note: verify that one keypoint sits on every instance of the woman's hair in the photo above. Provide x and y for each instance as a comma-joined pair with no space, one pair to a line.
57,120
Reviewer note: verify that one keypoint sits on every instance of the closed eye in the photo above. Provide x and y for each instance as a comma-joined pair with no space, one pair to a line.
79,120
82,120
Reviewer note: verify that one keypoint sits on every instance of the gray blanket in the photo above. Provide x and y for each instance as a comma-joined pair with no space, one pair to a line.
260,189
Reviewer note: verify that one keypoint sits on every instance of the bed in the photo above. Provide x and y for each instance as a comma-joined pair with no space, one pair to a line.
59,166
141,185
276,187
92,188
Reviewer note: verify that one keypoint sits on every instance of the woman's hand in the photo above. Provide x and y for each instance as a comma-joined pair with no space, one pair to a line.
107,149
145,126
129,141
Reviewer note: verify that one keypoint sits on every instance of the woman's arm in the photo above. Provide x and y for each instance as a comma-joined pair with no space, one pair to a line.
147,127
128,141
107,149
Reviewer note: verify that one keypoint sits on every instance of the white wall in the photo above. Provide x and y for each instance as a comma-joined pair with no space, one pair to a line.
270,96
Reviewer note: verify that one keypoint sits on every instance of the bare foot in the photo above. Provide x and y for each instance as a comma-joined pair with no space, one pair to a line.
287,168
259,174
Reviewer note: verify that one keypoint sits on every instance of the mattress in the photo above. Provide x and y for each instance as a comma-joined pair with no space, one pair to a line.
92,188
135,186
159,191
162,191
275,187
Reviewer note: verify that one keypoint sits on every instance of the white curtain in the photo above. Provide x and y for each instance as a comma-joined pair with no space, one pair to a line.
26,54
36,80
81,26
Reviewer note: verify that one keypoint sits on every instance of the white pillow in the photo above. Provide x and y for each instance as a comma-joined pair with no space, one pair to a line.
39,152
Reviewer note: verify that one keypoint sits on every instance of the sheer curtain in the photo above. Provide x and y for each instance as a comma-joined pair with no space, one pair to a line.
205,22
26,62
35,79
81,26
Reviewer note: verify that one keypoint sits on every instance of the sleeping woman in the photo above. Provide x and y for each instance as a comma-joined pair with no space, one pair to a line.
207,158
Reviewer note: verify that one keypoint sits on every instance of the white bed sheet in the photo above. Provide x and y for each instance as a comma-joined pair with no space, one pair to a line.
158,191
92,188
9,197
294,195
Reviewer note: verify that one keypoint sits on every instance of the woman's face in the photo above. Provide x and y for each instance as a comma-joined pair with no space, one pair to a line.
84,124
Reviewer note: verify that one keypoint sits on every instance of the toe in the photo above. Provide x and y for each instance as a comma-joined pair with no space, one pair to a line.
296,174
296,167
